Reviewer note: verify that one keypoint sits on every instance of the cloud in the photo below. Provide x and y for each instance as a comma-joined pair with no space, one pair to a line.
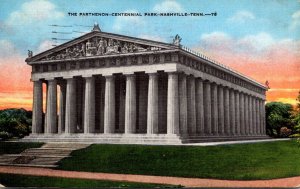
295,20
168,6
7,49
45,45
123,22
216,40
34,11
256,43
250,44
152,37
241,17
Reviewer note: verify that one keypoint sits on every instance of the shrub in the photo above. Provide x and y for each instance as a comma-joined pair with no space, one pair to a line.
285,132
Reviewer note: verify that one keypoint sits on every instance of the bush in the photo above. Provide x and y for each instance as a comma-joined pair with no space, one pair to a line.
14,123
285,132
278,115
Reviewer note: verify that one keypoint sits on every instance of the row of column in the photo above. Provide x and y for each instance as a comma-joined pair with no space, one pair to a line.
194,107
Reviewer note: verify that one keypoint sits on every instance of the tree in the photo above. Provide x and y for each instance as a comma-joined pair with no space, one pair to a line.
278,115
14,123
296,118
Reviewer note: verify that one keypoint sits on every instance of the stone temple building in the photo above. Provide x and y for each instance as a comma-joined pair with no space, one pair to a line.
110,88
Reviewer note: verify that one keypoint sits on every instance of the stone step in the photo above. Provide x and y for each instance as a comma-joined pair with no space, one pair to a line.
46,156
65,145
6,159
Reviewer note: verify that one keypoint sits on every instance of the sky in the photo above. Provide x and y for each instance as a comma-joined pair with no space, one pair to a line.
260,39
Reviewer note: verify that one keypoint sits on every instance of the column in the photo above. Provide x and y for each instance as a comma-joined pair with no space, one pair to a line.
152,108
221,119
70,119
183,104
250,115
109,106
214,108
207,108
227,111
246,115
37,108
130,104
232,112
172,104
258,117
242,114
62,107
191,105
263,129
51,115
199,107
89,105
254,116
237,113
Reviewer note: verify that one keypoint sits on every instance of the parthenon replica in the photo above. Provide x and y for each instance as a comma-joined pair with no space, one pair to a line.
110,88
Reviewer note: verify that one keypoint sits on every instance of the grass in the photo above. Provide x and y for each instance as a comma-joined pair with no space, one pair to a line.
16,147
239,162
12,180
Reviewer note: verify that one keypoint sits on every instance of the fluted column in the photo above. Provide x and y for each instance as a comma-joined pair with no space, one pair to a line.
89,105
237,113
227,111
242,114
172,104
37,108
183,104
250,115
62,108
152,111
221,119
191,105
254,116
130,104
258,117
51,115
70,119
207,108
246,114
109,107
263,128
214,108
199,107
232,112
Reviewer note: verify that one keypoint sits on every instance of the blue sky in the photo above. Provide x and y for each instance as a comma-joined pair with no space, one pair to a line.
25,24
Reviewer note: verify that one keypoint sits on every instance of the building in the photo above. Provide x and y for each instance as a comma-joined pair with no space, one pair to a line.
120,89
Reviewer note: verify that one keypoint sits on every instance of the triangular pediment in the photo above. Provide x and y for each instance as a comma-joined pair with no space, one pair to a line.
100,44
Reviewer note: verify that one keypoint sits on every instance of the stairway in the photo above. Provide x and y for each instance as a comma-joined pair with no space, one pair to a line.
45,156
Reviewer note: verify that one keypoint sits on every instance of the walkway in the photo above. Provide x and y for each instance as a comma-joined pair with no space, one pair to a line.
187,182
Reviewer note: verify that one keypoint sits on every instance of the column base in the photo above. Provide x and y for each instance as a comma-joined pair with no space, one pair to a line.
121,138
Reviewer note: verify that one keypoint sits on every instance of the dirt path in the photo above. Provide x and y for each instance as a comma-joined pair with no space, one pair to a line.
187,182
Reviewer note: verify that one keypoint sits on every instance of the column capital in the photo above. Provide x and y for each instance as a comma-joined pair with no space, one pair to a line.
87,76
172,72
128,73
151,72
35,80
50,79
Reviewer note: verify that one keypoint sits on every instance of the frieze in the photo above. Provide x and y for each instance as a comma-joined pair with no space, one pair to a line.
98,46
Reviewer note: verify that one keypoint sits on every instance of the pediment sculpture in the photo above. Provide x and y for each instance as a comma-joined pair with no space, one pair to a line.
98,46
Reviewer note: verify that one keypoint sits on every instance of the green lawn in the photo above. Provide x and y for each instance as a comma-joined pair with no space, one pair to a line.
16,147
239,161
11,180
